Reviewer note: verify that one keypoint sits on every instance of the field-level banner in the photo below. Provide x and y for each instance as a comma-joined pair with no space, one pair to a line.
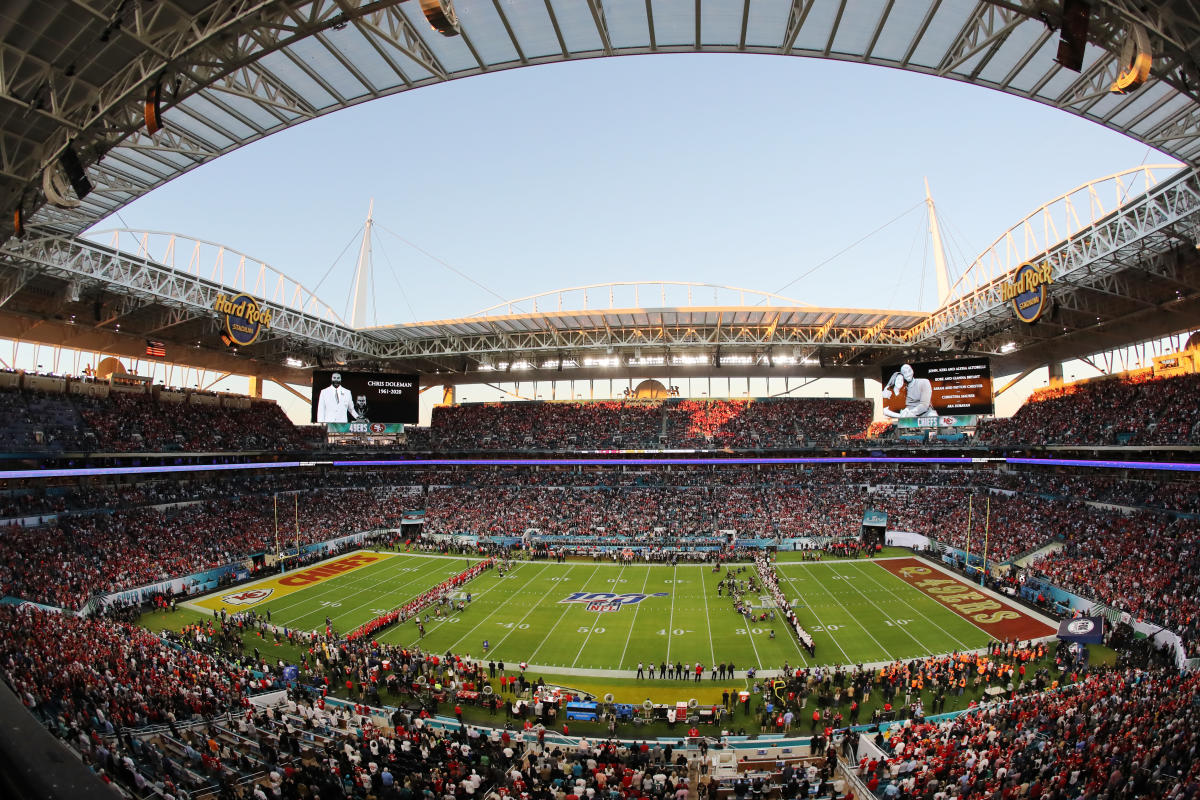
994,616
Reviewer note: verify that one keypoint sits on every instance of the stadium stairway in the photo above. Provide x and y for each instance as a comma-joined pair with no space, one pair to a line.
1027,559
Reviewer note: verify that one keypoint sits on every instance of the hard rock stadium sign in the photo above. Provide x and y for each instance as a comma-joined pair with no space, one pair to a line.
244,319
1027,290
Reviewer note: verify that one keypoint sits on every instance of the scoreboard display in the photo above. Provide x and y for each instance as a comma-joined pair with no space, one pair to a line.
365,398
937,388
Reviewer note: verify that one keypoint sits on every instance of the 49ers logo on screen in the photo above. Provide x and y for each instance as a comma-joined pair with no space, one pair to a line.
247,597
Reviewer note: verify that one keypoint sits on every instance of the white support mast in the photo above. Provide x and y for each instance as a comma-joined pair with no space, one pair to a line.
362,275
939,253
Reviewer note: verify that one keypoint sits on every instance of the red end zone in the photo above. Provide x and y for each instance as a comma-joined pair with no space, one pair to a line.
997,618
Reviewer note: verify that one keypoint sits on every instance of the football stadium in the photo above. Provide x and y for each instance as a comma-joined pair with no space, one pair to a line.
696,542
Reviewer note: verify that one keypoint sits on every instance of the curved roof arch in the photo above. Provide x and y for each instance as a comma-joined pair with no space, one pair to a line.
229,72
598,296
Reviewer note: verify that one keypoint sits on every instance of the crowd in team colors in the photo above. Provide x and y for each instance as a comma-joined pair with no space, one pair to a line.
1147,566
34,497
1114,735
78,556
1105,555
540,425
1134,411
134,422
40,497
675,423
1008,525
97,683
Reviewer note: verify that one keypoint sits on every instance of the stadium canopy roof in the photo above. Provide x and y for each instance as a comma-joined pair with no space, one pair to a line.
78,77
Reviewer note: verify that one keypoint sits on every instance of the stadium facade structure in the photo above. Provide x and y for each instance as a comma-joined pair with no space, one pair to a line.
151,91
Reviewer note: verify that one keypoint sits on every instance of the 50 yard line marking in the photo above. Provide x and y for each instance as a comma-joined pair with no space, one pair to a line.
707,619
671,618
558,622
583,646
628,636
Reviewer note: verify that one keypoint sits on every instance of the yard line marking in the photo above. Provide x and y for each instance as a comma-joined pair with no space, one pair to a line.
499,582
822,624
671,618
926,648
707,620
332,588
828,591
583,646
561,616
791,634
645,583
914,609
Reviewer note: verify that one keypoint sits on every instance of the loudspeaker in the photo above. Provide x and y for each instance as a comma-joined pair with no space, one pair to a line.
153,111
1075,20
71,166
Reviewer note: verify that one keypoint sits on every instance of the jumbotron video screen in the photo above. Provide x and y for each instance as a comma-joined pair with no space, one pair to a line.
342,397
937,388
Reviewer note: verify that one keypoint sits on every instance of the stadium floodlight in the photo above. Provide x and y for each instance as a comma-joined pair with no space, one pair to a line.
293,362
1008,347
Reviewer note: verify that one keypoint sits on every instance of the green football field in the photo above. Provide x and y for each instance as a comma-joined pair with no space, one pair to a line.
856,612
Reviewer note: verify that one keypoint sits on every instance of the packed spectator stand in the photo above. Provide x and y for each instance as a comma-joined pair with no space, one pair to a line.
1118,733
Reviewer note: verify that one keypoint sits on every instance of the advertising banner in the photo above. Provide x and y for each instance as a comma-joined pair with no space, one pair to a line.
1086,630
932,389
939,421
377,428
364,398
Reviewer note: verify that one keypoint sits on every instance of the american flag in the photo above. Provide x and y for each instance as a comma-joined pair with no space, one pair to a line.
155,349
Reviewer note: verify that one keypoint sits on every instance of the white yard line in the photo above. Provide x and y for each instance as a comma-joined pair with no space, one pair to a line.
856,622
888,617
557,622
499,582
916,611
822,624
671,618
712,652
629,635
583,646
791,634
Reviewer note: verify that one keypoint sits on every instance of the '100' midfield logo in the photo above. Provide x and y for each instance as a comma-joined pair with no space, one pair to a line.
607,601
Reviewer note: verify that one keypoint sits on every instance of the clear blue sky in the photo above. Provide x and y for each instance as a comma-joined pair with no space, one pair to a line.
732,169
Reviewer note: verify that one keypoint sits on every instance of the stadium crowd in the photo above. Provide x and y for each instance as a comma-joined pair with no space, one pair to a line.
82,555
1147,566
1128,733
1133,411
134,422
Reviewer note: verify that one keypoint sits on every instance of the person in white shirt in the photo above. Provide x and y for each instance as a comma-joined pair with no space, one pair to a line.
335,404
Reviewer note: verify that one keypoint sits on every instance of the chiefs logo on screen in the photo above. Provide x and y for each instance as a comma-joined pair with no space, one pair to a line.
247,597
378,427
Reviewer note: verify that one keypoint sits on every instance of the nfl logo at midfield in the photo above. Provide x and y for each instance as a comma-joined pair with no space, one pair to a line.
608,601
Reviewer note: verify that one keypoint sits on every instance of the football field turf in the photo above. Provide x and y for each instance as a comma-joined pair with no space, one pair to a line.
604,616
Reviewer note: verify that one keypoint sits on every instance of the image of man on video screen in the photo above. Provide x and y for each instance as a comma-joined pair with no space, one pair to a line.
335,403
918,394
